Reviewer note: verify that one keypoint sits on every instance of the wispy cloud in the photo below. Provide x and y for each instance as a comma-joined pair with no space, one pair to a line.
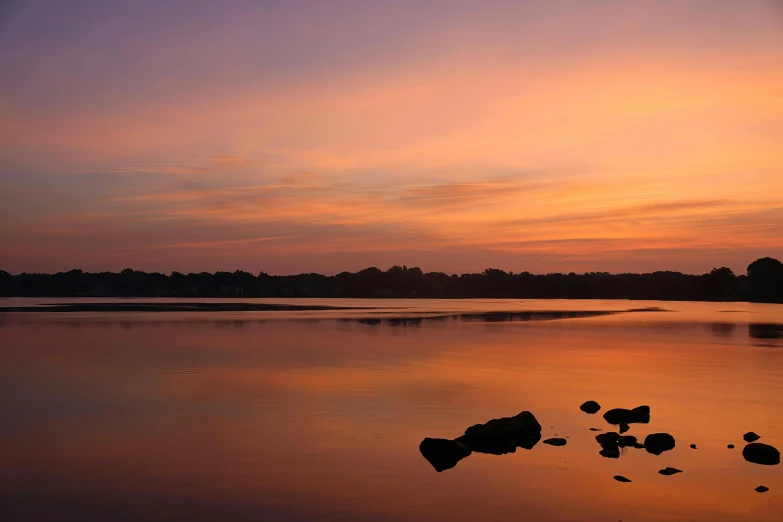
148,169
216,243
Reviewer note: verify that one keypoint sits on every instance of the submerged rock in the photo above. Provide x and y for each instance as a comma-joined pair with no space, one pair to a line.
750,437
763,454
669,471
590,407
639,415
596,429
555,441
762,489
620,478
657,443
443,454
624,427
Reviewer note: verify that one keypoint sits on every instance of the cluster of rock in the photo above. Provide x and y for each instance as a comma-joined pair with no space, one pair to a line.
505,435
656,443
496,437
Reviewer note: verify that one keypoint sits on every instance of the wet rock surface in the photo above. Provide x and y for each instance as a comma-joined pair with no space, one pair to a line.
638,415
750,437
590,407
669,471
764,454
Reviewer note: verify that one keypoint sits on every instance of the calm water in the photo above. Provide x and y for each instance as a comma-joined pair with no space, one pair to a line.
296,416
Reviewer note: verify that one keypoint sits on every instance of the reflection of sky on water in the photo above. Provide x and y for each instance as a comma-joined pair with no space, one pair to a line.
311,420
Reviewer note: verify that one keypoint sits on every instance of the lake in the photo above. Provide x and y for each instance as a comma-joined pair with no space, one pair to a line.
311,415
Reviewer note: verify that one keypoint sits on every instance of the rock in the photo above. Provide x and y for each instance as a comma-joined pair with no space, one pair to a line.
443,454
657,443
501,436
607,439
624,427
596,429
555,442
670,471
640,415
610,448
693,446
610,453
762,489
730,446
620,478
590,407
628,441
750,437
498,436
763,454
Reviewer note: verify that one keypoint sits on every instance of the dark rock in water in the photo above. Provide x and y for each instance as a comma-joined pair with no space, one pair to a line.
610,453
693,446
596,429
730,446
610,449
620,478
750,437
498,436
670,471
590,407
640,415
624,427
443,453
763,454
762,489
607,439
611,442
628,441
555,442
657,443
501,436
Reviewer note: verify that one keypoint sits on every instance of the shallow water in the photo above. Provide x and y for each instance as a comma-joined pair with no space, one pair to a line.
249,416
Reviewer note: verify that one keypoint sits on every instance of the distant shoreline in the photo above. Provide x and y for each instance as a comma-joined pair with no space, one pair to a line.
762,283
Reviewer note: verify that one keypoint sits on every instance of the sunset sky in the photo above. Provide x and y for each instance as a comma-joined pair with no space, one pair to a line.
292,136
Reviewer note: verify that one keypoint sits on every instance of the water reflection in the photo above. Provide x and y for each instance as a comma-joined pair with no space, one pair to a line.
765,331
301,420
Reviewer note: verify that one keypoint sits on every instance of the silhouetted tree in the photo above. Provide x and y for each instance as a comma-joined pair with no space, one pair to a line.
765,278
764,282
721,284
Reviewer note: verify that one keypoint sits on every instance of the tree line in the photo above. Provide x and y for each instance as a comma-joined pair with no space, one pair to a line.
763,282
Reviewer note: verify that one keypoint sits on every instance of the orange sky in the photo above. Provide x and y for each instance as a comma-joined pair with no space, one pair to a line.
540,136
